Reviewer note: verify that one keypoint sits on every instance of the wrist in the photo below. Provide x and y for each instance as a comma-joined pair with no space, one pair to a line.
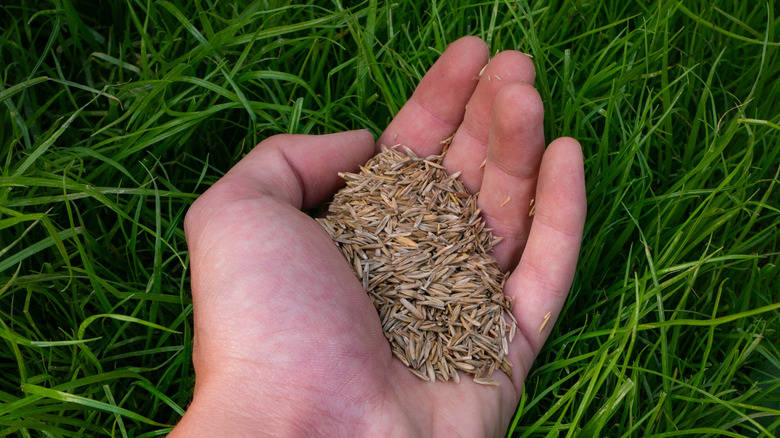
222,413
211,415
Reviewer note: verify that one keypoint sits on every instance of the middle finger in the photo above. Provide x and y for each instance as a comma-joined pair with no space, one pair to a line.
469,145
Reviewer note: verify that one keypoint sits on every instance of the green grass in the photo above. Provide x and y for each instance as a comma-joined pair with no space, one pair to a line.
114,118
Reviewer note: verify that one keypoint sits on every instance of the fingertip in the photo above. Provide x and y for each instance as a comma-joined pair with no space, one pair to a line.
520,93
566,154
514,65
516,141
362,137
571,144
356,146
562,182
472,44
519,109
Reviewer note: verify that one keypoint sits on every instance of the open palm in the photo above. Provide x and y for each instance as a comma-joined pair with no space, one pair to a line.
286,340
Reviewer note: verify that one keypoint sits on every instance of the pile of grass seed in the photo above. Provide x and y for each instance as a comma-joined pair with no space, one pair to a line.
414,237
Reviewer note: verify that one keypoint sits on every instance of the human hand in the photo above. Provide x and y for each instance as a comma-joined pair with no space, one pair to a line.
287,342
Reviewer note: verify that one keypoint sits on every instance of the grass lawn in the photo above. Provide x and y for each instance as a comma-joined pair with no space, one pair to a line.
114,118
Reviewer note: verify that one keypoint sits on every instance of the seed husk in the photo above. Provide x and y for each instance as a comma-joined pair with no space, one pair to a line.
414,237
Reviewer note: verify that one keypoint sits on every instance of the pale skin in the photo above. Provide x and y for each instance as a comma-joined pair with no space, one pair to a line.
287,343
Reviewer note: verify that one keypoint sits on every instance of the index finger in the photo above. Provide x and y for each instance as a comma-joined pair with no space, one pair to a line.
436,108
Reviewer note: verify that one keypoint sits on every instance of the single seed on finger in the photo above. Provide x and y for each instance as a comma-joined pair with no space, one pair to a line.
482,166
477,77
533,208
486,382
544,322
505,201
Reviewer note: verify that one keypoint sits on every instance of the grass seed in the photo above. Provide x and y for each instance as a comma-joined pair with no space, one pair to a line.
414,237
